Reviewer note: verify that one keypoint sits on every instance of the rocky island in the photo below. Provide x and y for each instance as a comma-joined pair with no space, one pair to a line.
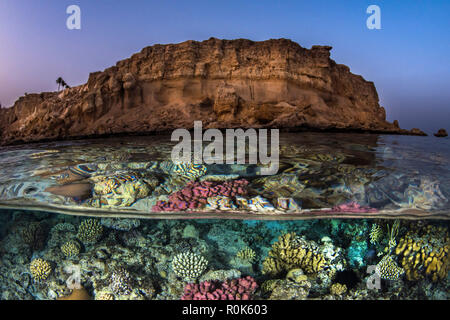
224,83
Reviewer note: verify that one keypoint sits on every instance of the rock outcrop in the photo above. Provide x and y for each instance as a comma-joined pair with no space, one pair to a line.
441,133
224,83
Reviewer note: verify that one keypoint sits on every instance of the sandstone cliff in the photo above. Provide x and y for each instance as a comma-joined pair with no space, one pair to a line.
224,83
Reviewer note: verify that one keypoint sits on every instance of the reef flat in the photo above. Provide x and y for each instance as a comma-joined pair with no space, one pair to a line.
52,256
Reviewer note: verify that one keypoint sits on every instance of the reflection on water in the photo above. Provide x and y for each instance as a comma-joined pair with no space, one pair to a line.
318,172
48,256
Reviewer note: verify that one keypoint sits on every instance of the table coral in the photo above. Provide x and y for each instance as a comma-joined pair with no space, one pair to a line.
195,194
234,289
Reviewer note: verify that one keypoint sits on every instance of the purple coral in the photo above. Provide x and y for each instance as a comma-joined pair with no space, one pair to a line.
234,289
195,194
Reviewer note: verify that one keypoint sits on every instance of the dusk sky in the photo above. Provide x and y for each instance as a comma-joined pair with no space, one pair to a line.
408,59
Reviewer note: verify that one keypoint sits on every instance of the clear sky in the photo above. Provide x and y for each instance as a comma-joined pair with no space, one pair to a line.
408,59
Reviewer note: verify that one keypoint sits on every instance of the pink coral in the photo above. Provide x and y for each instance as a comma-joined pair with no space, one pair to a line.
352,207
235,289
195,194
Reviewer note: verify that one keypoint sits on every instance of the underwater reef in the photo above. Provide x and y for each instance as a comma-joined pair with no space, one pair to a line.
127,259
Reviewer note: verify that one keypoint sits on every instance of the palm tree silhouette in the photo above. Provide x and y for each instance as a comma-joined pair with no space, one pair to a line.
59,81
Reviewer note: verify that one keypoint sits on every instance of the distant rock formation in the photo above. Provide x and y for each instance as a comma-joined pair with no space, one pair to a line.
224,83
441,133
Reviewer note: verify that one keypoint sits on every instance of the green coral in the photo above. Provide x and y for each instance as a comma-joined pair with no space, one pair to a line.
89,231
40,269
188,265
71,248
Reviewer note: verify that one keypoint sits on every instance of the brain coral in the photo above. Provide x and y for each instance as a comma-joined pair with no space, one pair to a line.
291,251
188,265
40,269
423,252
89,231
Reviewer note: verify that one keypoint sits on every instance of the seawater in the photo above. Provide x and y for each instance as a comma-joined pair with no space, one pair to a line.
370,221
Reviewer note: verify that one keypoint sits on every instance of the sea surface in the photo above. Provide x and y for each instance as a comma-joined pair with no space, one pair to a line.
347,216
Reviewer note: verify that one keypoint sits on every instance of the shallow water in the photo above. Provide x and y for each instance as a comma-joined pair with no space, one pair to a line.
87,202
137,258
319,175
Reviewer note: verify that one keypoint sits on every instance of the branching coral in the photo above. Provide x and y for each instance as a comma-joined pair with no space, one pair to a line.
234,289
423,252
40,269
291,251
71,248
196,194
121,282
89,231
34,235
376,233
247,255
188,265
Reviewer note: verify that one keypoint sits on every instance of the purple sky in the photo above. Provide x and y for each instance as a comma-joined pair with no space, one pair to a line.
407,59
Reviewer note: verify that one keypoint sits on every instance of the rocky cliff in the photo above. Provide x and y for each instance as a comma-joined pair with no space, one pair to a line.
224,83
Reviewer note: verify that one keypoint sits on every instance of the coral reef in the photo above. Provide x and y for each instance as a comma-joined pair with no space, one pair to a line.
40,269
34,235
376,233
71,248
195,194
188,265
89,230
338,289
247,255
424,252
234,289
120,190
121,282
388,269
291,251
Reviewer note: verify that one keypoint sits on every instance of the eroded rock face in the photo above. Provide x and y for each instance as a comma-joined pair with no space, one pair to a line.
224,83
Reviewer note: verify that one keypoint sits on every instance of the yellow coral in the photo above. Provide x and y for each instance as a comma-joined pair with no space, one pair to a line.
338,289
423,252
71,248
247,254
375,233
90,230
290,252
40,269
